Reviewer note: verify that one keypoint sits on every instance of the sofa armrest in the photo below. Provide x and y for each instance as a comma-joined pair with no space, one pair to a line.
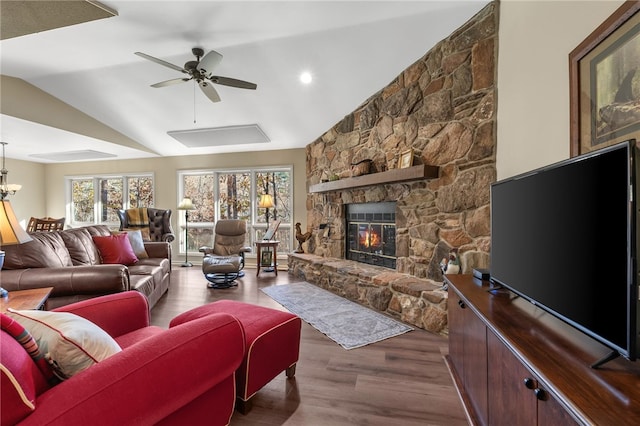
117,314
151,380
158,249
73,280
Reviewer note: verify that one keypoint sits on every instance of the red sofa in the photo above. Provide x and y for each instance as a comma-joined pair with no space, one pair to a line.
182,375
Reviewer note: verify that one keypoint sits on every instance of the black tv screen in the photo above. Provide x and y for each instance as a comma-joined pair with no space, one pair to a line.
564,238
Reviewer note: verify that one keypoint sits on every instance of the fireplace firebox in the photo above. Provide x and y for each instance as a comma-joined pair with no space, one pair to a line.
371,233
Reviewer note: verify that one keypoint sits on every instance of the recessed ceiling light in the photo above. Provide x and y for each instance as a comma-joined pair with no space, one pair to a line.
305,77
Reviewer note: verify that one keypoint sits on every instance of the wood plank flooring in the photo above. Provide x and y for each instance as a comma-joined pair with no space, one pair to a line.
399,381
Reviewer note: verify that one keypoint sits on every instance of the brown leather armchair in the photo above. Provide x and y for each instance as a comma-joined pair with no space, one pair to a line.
223,262
158,221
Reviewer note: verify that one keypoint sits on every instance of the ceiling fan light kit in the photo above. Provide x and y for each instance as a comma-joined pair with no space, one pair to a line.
200,70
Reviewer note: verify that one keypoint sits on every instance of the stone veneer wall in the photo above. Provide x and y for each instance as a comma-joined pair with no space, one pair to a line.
442,107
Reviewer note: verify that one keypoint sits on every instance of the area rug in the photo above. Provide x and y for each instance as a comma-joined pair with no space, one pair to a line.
345,322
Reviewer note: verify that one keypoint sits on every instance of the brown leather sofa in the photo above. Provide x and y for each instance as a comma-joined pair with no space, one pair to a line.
70,262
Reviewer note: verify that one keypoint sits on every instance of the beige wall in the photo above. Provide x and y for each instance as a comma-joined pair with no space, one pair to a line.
536,38
31,199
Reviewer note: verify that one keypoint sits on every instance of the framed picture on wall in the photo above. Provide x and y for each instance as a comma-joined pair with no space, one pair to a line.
604,79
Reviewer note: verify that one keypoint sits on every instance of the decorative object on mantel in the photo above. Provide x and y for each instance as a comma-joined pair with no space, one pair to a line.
362,167
406,159
451,265
10,230
301,237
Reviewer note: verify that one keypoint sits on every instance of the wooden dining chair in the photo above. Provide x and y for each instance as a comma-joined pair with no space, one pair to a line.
45,224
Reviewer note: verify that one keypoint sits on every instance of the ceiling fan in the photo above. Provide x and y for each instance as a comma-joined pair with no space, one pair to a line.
201,71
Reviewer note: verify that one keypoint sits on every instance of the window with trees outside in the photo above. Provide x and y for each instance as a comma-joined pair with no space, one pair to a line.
95,199
235,194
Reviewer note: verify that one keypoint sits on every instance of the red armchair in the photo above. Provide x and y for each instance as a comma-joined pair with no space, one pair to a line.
183,375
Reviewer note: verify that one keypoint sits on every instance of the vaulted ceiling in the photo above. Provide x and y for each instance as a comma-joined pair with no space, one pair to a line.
72,88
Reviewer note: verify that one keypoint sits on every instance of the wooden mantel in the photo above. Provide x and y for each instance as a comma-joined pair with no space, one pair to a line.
421,171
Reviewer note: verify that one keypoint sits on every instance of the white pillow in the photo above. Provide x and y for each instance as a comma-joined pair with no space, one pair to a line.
69,342
137,243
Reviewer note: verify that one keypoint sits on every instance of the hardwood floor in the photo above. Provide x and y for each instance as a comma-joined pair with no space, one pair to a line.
399,381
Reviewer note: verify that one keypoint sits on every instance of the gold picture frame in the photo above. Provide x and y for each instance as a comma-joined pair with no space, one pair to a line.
603,76
406,159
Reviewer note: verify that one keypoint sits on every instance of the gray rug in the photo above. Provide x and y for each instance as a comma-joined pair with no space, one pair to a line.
347,323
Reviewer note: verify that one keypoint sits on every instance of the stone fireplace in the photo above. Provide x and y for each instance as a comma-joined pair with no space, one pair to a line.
442,110
371,233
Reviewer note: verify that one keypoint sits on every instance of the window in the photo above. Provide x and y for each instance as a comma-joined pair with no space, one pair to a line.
95,199
234,194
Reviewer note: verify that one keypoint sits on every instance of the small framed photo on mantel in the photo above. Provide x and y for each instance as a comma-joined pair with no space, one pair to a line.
406,159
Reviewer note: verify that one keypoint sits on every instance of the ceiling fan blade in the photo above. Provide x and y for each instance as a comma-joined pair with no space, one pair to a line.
226,81
208,90
209,62
161,62
170,82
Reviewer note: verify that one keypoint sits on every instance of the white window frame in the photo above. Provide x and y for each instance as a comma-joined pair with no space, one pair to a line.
97,202
254,225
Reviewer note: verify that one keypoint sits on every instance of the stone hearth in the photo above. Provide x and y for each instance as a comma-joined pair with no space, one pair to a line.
443,109
419,302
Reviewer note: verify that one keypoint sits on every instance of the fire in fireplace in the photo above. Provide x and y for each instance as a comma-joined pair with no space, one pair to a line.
371,233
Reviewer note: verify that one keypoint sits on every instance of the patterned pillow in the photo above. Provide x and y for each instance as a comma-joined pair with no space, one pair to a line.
137,217
22,336
69,342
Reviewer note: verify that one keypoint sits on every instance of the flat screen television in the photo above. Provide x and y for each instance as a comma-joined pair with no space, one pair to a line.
564,237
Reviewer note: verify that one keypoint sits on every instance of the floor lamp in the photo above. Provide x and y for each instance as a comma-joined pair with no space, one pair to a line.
186,205
266,202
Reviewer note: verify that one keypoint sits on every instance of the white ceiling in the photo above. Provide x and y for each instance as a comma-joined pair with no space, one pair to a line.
352,48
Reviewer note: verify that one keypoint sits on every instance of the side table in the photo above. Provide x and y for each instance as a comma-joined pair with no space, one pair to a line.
33,298
272,247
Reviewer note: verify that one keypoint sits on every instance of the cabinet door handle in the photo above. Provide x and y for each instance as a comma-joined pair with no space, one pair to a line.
529,383
540,394
461,304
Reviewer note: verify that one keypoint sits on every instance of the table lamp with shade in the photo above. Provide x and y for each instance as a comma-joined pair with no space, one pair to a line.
10,230
186,204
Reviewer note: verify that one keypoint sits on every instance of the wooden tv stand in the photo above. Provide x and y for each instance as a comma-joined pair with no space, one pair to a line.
513,363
